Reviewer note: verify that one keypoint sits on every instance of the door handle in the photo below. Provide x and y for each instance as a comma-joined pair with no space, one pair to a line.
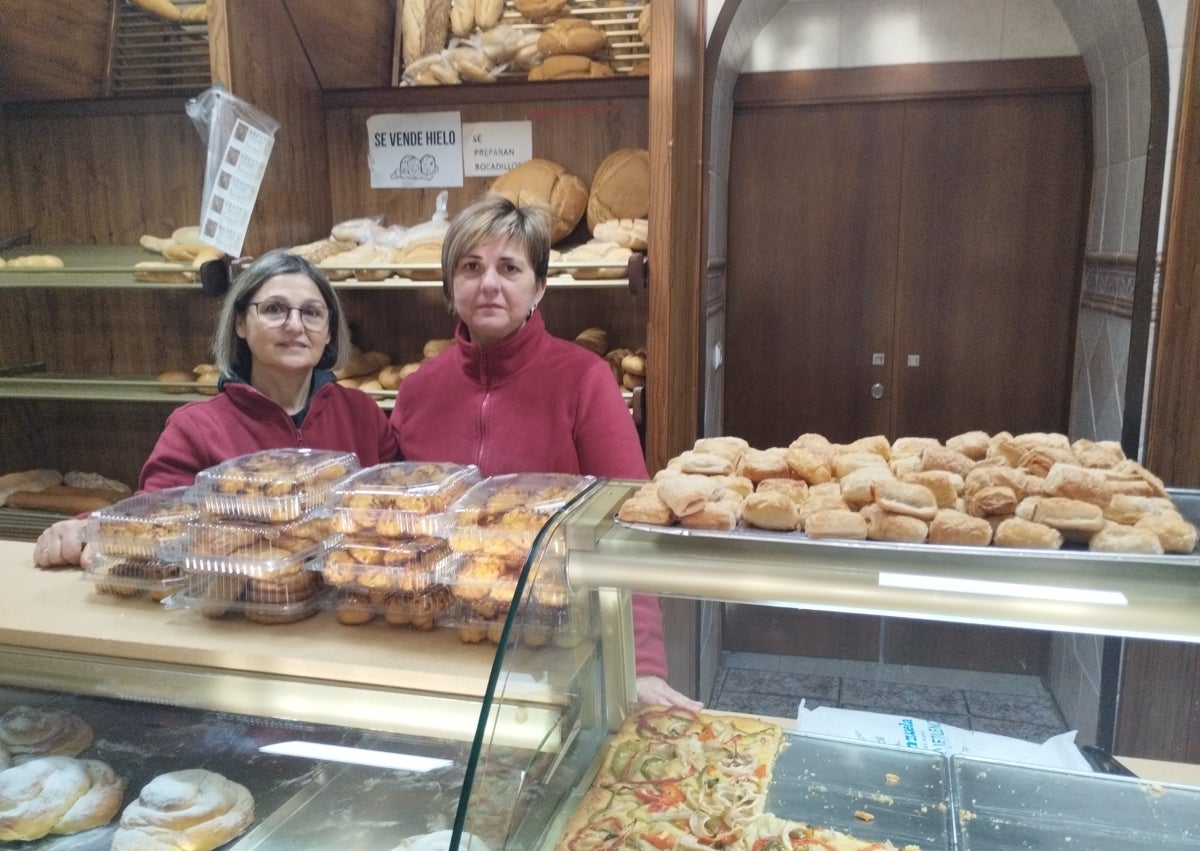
877,390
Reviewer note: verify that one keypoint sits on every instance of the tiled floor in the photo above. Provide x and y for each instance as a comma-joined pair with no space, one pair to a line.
1005,704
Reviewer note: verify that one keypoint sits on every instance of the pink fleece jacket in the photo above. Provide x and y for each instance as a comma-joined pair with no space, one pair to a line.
240,419
531,404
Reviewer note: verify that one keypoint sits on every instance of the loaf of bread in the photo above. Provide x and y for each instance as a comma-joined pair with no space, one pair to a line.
27,480
620,187
545,183
424,28
569,66
572,35
30,732
63,499
192,808
57,795
162,8
633,234
540,10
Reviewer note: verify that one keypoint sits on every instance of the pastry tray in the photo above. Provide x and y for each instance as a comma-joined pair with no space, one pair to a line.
931,555
1004,807
825,781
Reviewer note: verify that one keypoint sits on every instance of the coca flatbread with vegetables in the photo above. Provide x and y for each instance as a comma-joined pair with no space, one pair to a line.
684,781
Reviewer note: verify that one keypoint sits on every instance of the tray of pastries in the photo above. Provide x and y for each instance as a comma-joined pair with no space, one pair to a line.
272,485
243,547
146,525
136,576
403,498
1012,494
502,515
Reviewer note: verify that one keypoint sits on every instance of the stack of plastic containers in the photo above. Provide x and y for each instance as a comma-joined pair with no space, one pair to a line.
392,561
494,525
135,544
258,546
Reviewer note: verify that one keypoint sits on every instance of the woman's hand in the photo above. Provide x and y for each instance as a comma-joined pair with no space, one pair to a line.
62,544
656,690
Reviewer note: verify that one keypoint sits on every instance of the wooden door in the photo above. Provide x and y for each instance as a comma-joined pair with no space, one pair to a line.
993,203
813,229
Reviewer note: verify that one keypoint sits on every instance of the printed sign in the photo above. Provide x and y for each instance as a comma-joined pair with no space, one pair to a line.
225,215
491,148
414,151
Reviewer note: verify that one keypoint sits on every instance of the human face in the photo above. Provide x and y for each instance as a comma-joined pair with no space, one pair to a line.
494,290
290,348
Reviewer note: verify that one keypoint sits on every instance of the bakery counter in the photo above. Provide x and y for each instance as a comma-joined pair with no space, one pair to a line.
56,632
1124,595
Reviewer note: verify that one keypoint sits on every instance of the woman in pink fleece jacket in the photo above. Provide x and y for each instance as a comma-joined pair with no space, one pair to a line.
510,398
280,335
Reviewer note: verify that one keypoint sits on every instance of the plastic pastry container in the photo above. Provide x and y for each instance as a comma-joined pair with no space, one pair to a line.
391,565
273,485
274,599
133,576
422,611
484,584
147,525
561,627
502,515
248,548
404,498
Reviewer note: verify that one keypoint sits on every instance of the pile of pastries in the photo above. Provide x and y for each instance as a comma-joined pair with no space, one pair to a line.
1032,490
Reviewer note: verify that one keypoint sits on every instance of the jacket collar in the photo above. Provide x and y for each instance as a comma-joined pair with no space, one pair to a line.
499,361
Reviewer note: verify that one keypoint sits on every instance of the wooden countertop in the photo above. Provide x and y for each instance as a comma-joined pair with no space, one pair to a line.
60,610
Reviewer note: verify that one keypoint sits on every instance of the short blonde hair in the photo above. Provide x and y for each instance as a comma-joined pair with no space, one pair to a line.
495,217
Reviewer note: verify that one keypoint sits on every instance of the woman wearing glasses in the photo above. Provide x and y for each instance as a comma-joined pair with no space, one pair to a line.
280,334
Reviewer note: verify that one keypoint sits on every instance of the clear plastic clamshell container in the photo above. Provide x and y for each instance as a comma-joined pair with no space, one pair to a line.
273,485
502,515
133,576
246,548
420,610
146,525
404,498
282,597
392,565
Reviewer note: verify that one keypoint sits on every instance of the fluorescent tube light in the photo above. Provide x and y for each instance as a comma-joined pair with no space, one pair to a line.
359,756
1002,589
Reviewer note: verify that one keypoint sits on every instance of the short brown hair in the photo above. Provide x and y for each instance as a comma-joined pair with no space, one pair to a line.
495,217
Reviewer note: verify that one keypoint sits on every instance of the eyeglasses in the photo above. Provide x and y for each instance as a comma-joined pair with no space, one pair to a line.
275,314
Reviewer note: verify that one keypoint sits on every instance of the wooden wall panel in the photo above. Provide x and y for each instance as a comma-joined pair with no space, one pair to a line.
53,51
75,176
577,135
267,66
349,43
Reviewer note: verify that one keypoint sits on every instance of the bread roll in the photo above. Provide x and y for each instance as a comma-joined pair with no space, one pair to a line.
57,795
945,458
704,463
206,382
472,63
770,510
568,66
540,10
1101,454
620,187
572,35
646,507
193,808
727,446
912,445
991,501
858,486
905,498
633,234
759,464
794,489
1118,538
945,486
721,516
950,526
1017,532
1074,482
1129,508
836,523
895,528
1063,514
593,339
973,444
808,465
1174,533
176,381
546,183
685,493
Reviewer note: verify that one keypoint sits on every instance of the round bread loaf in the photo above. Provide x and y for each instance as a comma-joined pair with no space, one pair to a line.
173,379
57,795
620,187
569,66
572,35
193,808
29,732
542,182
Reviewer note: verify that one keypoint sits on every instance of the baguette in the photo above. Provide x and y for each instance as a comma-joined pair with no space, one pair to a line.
62,499
27,480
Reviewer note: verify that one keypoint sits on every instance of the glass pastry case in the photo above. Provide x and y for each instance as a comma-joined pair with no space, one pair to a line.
368,737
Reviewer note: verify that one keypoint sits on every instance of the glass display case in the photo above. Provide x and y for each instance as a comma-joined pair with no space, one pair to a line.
365,737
